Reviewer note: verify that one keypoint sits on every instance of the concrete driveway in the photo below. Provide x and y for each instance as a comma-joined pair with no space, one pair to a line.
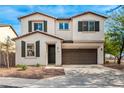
76,76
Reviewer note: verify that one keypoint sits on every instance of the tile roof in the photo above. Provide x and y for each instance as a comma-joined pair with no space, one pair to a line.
68,18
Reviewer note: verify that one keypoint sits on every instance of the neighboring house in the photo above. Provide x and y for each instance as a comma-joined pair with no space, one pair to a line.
48,40
6,31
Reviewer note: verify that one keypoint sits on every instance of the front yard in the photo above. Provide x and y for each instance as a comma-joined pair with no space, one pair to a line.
115,66
76,76
31,72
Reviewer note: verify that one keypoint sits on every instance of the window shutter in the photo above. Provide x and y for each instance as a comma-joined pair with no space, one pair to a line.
45,26
37,48
96,25
80,26
35,26
85,25
22,48
29,26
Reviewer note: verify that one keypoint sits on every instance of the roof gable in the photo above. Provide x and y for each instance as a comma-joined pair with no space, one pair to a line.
88,12
69,18
34,14
31,33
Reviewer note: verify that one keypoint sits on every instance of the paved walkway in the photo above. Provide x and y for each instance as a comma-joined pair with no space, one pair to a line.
76,76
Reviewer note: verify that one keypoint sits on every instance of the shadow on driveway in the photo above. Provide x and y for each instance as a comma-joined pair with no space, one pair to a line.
6,86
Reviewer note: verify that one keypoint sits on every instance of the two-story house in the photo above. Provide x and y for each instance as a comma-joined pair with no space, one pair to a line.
48,40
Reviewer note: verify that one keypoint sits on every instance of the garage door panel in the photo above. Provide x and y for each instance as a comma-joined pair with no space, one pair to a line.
79,56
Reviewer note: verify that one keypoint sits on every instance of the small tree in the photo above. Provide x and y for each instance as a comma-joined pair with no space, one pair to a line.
115,35
7,47
109,47
114,45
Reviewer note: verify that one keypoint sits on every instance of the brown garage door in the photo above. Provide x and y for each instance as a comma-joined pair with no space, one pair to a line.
79,56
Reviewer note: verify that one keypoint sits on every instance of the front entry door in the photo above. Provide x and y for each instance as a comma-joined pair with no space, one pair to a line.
51,54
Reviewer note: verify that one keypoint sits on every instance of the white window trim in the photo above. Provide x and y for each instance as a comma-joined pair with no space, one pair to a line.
89,26
34,50
37,22
63,23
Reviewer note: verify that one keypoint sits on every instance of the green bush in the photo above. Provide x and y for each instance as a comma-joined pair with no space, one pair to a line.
22,66
19,65
38,65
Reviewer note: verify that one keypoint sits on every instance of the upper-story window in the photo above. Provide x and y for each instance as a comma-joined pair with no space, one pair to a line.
88,26
63,26
38,26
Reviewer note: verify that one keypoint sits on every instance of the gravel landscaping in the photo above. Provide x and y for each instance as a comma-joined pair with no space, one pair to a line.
115,66
31,72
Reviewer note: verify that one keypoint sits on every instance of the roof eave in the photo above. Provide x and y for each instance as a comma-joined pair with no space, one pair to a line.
14,30
35,13
63,18
91,13
14,39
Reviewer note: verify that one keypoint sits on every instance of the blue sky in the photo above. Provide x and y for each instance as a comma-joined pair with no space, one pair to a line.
10,13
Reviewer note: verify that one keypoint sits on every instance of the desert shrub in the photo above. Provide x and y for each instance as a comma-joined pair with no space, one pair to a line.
19,65
38,65
22,66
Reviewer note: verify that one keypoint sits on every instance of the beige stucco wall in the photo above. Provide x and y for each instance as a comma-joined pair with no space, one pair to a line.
98,46
88,35
65,34
72,33
44,41
50,23
5,32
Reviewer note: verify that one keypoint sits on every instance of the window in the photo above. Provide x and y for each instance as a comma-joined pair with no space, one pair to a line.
91,26
38,27
88,26
63,26
66,26
30,49
60,25
85,26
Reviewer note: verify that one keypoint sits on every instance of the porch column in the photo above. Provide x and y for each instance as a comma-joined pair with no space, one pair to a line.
100,55
58,53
